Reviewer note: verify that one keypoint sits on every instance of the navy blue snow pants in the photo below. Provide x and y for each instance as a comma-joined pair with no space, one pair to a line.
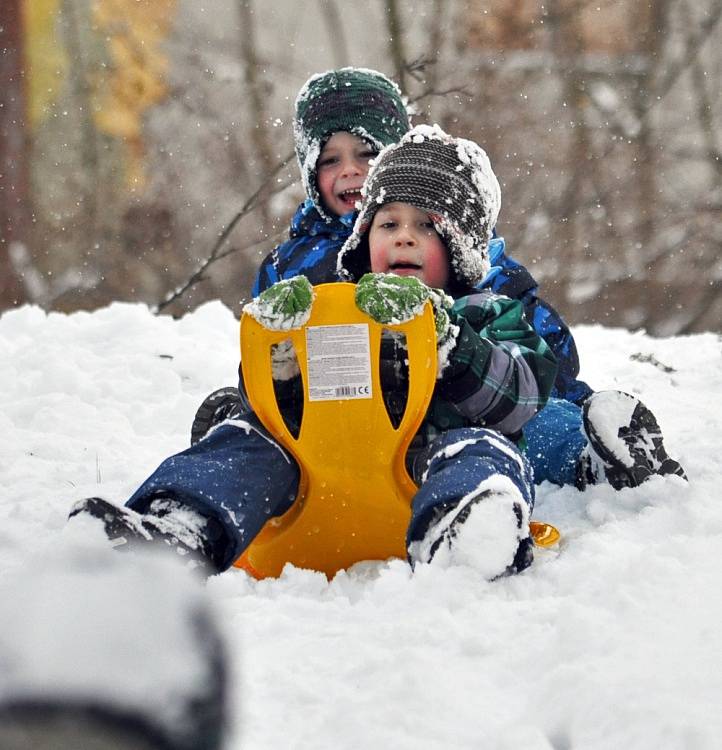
241,477
554,442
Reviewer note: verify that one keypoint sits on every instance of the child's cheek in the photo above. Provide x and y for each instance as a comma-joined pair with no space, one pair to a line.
324,183
378,258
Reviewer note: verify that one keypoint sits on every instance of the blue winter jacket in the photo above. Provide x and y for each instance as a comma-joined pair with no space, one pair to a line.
312,250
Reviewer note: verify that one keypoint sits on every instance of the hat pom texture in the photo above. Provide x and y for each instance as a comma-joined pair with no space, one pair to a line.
449,178
360,101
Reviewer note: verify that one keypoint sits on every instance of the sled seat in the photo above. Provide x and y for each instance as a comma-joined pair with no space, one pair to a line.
354,497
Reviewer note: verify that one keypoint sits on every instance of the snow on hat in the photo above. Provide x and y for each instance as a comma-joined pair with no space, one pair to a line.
449,178
357,100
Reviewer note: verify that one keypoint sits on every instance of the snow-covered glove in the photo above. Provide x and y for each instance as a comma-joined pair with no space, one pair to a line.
284,305
284,362
392,299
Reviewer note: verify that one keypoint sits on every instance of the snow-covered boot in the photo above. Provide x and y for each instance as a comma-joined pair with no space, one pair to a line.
225,403
168,522
487,530
625,442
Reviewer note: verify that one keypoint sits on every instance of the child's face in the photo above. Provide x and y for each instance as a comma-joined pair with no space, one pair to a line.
341,169
402,240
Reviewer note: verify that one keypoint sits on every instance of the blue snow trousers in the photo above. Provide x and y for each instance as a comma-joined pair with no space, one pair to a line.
554,442
241,477
237,475
455,464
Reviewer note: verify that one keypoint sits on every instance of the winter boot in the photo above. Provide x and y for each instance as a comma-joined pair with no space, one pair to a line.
169,522
225,403
488,530
625,442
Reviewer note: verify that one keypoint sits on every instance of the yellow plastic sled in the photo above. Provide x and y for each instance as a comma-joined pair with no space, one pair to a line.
354,497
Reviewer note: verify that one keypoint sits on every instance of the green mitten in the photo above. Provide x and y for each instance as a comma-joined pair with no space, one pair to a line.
283,306
388,298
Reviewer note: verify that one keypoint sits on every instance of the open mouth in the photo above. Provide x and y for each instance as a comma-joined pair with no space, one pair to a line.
350,197
404,267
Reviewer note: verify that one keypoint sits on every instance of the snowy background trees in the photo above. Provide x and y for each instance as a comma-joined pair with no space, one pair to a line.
132,133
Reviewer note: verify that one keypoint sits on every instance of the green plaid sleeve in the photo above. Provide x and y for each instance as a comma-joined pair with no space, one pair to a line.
500,373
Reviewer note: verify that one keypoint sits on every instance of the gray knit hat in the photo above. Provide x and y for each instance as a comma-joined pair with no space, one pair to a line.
452,180
356,100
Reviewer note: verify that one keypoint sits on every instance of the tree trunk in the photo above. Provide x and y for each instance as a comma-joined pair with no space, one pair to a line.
651,40
78,34
14,193
337,38
263,160
569,47
396,43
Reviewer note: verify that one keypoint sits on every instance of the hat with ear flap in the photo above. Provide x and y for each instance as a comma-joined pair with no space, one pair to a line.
357,100
449,178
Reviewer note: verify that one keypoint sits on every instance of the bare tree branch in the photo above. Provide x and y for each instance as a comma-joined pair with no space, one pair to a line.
436,38
216,254
692,48
417,69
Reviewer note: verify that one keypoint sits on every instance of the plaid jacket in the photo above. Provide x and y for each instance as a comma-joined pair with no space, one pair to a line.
499,374
512,279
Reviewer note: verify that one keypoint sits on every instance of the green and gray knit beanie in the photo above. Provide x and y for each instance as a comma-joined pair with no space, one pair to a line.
356,100
449,178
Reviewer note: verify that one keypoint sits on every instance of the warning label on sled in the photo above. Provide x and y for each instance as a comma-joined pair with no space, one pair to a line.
339,362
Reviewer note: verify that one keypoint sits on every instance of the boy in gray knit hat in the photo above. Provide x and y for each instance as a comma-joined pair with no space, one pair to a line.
430,205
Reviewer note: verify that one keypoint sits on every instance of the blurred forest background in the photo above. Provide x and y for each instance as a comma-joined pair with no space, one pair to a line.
145,144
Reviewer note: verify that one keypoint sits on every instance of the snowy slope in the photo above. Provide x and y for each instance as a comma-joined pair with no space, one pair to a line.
612,641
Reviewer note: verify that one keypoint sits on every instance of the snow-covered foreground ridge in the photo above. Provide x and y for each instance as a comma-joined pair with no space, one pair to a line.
611,641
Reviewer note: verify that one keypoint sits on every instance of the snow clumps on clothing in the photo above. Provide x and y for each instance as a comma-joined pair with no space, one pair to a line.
360,101
449,178
284,306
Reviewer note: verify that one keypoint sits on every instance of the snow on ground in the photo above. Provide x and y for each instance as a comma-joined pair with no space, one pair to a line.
610,641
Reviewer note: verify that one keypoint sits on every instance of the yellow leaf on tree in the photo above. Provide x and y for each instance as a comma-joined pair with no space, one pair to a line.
135,78
121,91
46,61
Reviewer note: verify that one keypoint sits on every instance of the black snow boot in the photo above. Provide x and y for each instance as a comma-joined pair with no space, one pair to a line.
625,442
445,527
225,403
186,532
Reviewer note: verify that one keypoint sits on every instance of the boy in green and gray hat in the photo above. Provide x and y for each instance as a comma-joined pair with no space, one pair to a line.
343,118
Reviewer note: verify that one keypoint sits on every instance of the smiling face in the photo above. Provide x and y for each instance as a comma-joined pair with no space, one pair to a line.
402,240
341,169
